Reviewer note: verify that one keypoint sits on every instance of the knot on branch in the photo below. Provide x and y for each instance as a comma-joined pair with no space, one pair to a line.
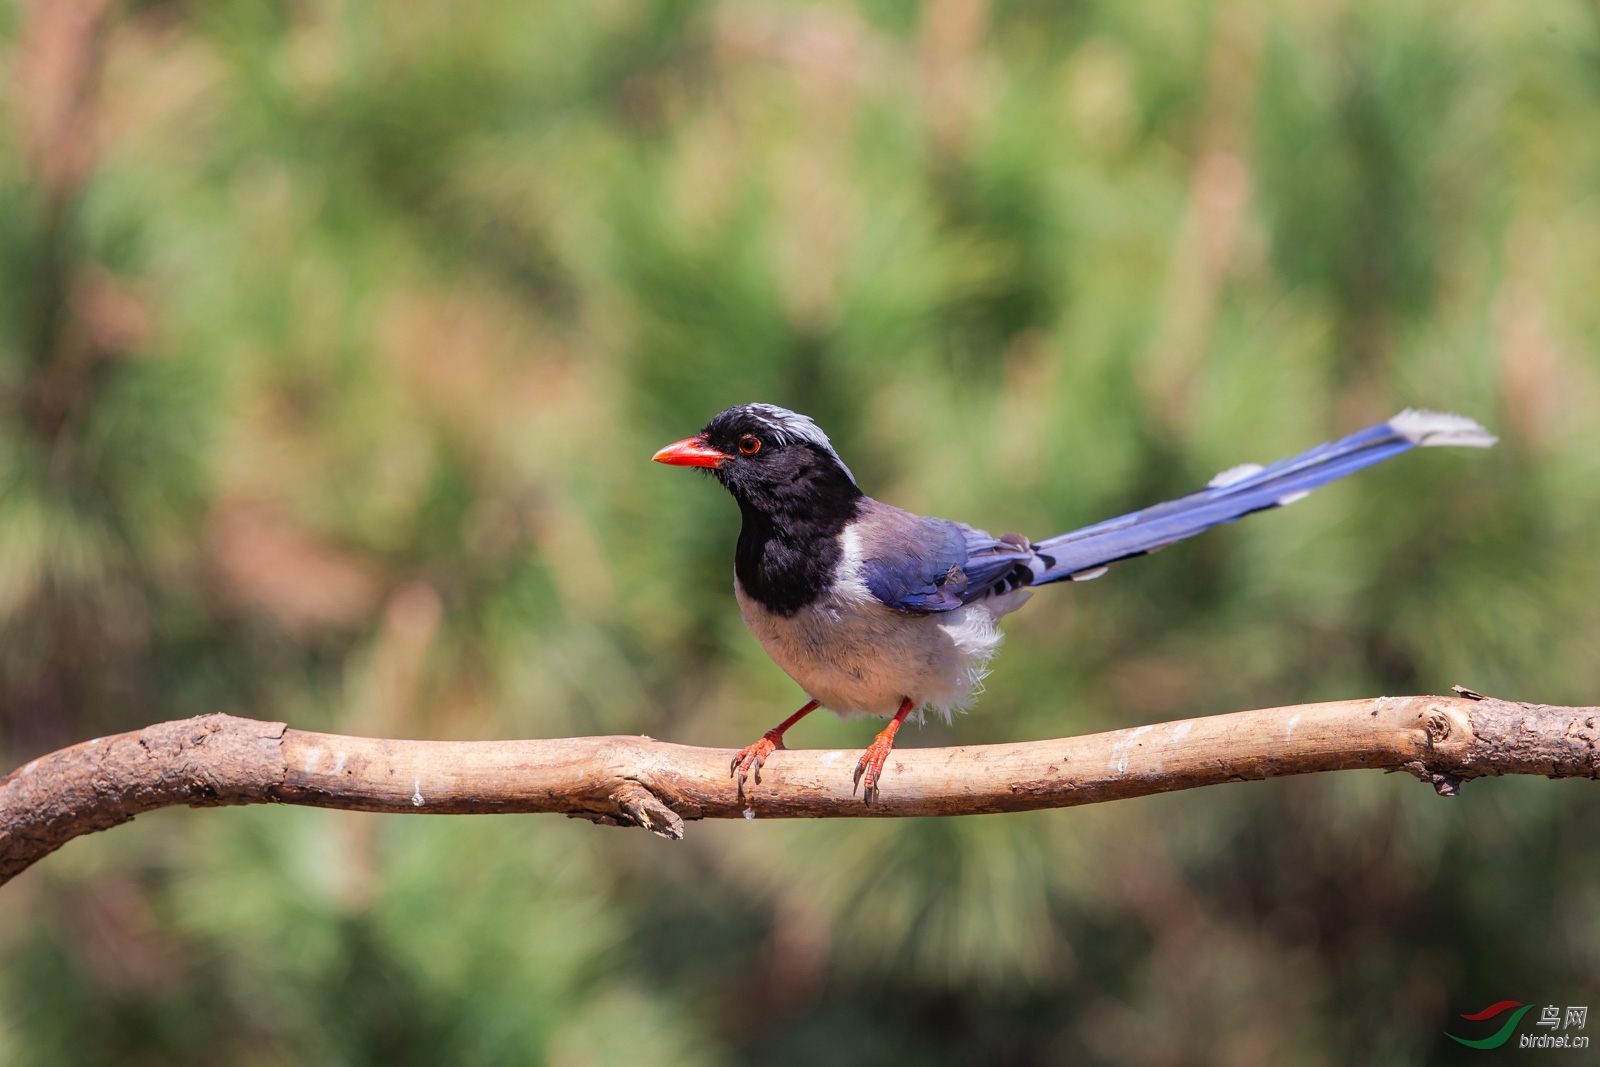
1438,727
631,804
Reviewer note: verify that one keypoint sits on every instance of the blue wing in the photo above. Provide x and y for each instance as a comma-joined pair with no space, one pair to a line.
917,564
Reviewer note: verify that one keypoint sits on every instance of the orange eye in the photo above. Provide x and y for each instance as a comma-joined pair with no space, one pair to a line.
749,444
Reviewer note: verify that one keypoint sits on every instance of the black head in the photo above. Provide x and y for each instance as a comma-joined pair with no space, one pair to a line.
773,460
795,496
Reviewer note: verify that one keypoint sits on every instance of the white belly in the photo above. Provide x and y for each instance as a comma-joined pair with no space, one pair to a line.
855,656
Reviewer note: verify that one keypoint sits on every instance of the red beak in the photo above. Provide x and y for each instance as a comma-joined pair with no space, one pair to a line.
691,452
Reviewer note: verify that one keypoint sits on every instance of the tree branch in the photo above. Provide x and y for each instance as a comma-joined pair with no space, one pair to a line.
218,760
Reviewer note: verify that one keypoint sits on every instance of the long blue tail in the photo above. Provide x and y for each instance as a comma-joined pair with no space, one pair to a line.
1235,493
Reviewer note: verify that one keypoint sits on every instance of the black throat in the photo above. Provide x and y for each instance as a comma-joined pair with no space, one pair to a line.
789,542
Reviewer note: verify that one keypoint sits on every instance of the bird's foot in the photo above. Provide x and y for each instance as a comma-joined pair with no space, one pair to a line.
749,759
869,768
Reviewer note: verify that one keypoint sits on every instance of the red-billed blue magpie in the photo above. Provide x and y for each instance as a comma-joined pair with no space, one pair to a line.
877,611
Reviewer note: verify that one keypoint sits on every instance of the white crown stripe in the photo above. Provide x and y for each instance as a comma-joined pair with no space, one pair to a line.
789,426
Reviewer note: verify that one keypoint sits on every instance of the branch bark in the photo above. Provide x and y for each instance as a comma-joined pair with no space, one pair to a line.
219,760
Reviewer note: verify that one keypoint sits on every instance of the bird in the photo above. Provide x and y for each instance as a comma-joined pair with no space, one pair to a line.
877,611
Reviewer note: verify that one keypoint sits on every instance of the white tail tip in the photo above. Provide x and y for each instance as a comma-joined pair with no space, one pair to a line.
1427,429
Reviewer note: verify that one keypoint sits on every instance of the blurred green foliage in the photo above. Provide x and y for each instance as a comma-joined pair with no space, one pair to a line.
334,338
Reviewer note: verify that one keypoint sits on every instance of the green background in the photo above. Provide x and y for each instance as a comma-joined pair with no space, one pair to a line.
334,341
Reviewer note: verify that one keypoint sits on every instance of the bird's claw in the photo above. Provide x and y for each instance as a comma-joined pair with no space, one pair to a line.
869,769
748,760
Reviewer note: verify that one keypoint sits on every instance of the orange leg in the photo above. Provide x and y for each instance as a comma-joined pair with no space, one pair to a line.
751,757
870,768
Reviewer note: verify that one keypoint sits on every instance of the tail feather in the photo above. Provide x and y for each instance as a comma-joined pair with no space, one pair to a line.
1085,553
